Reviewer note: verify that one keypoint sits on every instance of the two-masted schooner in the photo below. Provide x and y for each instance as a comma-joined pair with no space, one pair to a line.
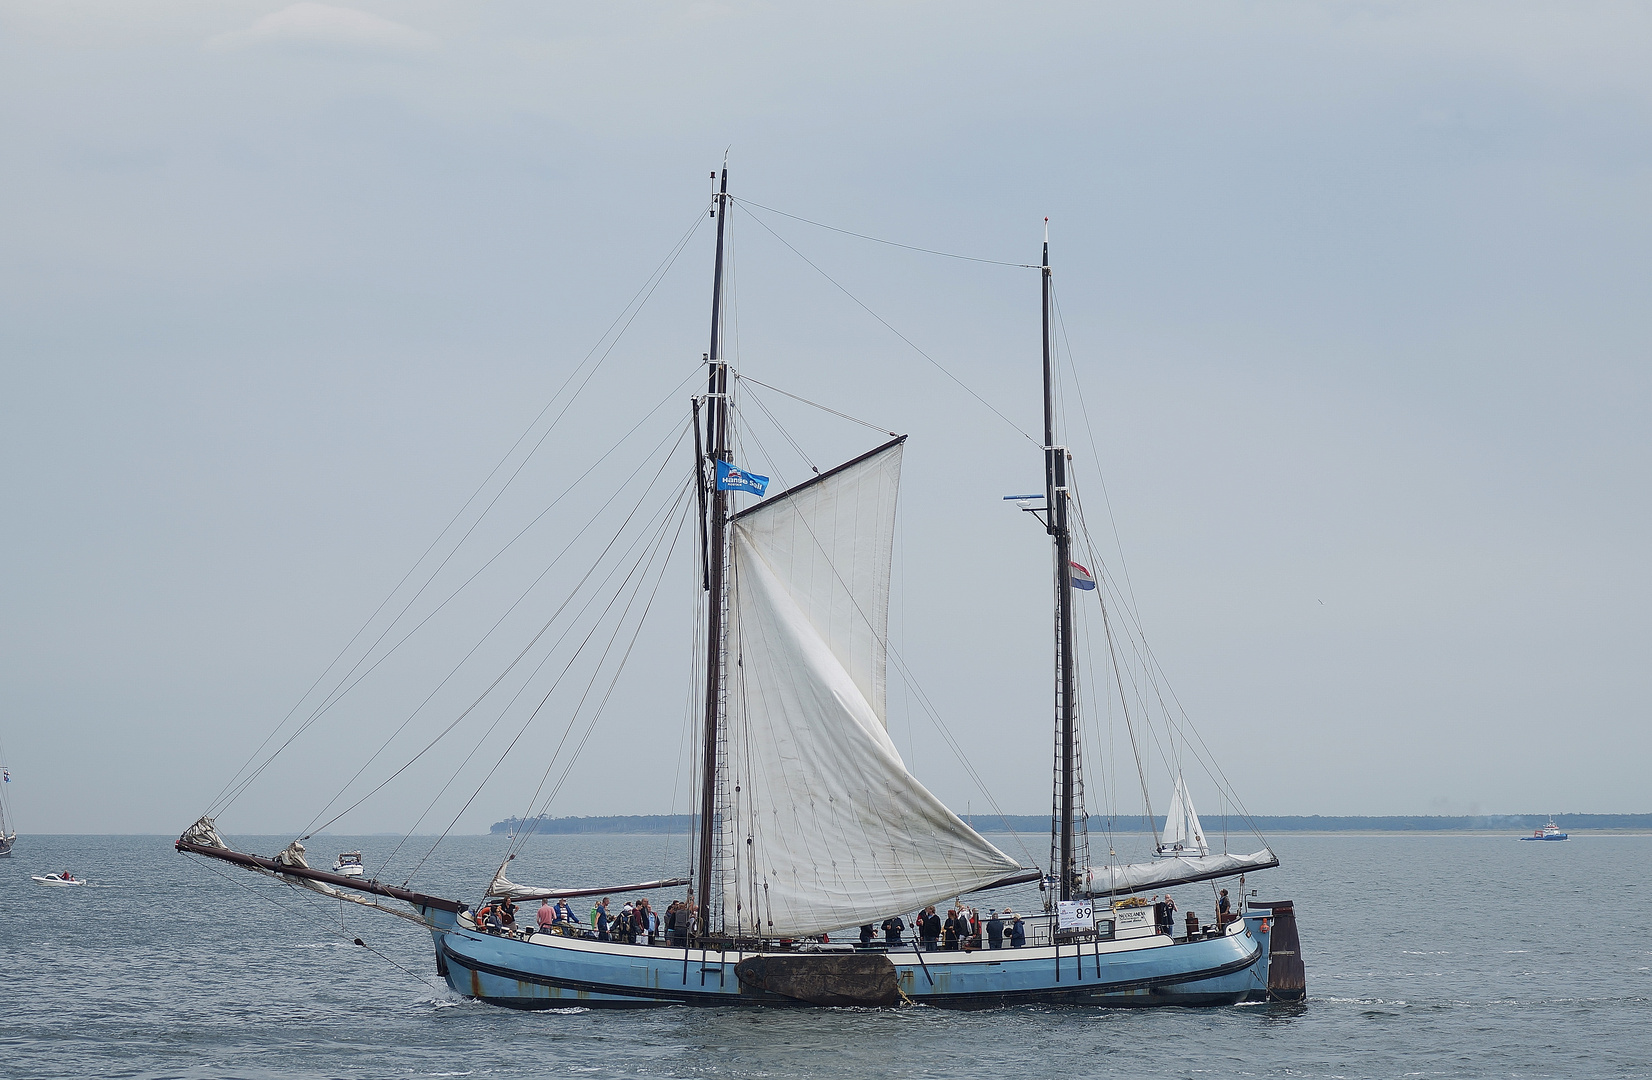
809,821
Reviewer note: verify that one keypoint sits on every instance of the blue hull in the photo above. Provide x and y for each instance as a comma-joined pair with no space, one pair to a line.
556,972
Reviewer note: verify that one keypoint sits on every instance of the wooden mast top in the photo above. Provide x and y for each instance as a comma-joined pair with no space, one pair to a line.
717,448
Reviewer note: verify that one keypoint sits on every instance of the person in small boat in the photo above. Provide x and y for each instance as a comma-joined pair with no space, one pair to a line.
1017,932
995,930
892,928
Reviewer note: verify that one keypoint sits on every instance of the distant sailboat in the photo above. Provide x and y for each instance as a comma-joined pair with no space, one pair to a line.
1182,857
8,832
1184,837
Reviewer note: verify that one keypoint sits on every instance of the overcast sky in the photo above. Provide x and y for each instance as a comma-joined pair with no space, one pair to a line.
1357,295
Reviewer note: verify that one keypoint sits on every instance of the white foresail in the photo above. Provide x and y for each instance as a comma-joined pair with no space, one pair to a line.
1134,877
826,828
1183,835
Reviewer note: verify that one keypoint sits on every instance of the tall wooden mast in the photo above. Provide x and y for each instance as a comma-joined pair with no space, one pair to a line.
1055,498
717,448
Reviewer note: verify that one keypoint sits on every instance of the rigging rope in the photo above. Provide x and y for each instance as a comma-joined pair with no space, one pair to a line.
645,292
619,669
1152,671
595,565
887,325
815,404
880,240
590,522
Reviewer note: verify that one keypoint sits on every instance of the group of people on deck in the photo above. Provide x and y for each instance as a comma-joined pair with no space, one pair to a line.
635,923
961,929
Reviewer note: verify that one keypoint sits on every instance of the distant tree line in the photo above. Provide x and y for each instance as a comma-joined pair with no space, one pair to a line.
682,823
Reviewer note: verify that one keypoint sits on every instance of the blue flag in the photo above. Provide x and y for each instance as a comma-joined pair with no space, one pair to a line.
731,479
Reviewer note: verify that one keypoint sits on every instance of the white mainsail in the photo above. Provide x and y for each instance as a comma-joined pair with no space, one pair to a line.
824,826
1184,837
1133,877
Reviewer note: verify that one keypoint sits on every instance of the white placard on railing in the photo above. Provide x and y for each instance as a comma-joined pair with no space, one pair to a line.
1075,915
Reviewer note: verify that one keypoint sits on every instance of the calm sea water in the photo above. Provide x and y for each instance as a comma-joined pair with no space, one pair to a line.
1435,956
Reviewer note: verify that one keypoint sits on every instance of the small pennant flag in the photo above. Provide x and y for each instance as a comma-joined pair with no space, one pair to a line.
731,479
1081,577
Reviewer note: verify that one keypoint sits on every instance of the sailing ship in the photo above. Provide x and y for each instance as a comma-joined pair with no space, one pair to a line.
809,821
8,832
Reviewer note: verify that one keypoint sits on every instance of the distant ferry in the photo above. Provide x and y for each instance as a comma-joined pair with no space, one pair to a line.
1551,831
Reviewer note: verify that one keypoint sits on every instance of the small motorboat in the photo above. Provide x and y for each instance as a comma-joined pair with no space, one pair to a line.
1551,831
60,880
349,864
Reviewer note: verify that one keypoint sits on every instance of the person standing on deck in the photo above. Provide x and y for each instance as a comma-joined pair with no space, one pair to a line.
1017,932
892,928
930,924
1169,916
1224,911
995,931
545,916
599,918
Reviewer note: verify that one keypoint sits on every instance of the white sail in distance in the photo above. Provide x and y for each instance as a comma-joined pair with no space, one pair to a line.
1184,837
824,826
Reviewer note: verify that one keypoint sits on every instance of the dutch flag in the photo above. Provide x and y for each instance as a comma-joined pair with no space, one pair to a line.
1081,577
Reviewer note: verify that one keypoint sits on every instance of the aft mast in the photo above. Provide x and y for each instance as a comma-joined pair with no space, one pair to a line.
1055,499
717,445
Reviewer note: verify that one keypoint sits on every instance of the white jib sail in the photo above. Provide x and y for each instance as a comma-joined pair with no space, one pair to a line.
1184,837
825,828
